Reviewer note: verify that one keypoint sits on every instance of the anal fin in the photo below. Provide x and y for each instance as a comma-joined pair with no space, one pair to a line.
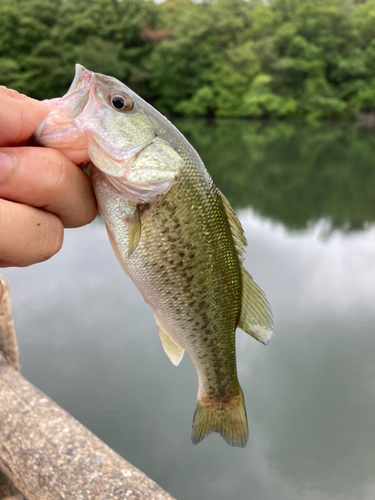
256,315
174,352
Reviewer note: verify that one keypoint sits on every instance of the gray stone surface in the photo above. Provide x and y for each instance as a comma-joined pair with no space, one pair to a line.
8,340
9,348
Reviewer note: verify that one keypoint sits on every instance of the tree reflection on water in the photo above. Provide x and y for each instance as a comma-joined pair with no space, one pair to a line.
293,173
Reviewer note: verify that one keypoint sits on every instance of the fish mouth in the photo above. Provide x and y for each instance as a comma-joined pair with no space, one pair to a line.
83,78
75,100
67,113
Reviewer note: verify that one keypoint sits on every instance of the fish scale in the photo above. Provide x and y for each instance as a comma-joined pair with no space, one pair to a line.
174,234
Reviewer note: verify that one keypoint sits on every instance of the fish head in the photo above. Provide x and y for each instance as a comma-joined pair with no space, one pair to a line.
100,119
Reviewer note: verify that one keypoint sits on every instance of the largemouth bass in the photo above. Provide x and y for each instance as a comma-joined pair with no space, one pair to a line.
174,234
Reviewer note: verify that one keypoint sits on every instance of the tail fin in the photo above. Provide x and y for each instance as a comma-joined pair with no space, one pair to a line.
226,418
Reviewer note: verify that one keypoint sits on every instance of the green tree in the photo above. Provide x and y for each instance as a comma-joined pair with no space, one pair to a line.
41,40
310,59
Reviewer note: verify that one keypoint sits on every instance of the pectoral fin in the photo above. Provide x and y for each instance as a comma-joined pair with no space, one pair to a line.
255,316
134,231
174,352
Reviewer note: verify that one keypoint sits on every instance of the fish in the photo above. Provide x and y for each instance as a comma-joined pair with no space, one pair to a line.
174,234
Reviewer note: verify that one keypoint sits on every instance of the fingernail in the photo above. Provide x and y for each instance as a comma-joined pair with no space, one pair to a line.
6,165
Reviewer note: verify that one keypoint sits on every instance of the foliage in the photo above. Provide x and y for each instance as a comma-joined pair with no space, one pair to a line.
313,59
307,58
41,40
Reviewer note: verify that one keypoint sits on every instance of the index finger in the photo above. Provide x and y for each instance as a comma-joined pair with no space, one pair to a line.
19,116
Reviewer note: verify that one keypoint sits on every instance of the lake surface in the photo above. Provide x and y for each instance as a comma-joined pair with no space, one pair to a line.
305,196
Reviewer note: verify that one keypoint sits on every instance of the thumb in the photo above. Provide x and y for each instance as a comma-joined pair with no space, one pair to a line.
19,116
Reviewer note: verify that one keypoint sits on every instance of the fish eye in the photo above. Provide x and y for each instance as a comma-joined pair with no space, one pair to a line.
121,102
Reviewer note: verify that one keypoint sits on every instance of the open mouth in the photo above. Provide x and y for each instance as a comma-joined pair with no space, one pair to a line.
82,79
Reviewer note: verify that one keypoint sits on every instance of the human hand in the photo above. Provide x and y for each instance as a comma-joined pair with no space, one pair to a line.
41,191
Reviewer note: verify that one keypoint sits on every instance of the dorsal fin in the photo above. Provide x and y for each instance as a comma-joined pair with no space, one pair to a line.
255,315
236,229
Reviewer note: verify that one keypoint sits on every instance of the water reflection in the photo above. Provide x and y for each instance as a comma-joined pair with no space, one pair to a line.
319,391
88,340
292,173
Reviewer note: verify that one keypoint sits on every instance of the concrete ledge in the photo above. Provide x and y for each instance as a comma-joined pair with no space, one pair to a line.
48,454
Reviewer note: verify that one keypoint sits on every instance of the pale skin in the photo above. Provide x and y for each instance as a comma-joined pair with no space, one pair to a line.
41,190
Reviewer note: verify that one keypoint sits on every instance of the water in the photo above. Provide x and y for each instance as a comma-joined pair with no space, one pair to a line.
305,197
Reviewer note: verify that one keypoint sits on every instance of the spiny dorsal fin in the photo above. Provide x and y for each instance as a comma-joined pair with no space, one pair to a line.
134,230
174,352
255,316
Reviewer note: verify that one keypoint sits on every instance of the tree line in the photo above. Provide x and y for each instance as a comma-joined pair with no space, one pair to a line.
310,59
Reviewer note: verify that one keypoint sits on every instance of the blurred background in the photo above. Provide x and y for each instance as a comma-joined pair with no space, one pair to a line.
277,98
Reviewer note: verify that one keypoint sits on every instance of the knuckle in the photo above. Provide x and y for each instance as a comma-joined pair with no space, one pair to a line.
57,179
83,205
